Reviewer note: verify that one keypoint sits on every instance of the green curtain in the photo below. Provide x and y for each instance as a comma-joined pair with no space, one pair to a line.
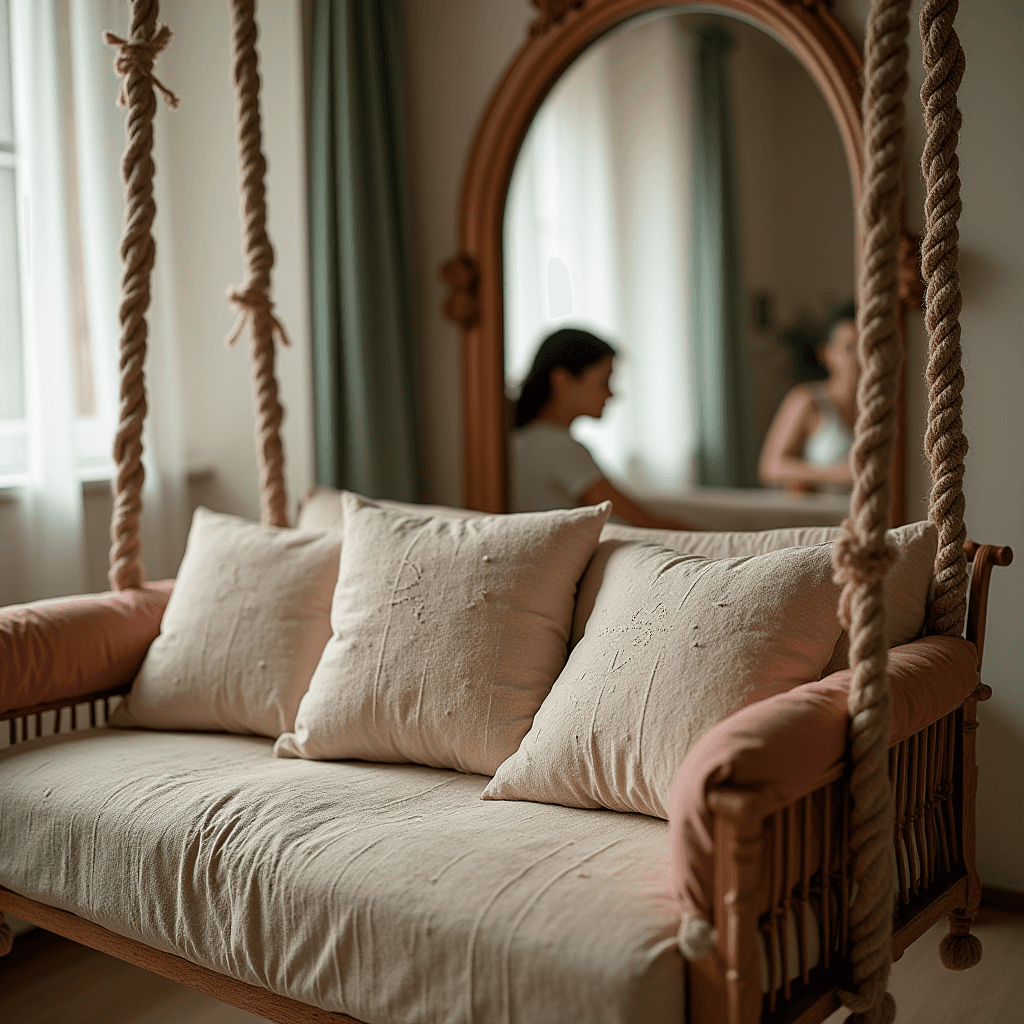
363,356
722,389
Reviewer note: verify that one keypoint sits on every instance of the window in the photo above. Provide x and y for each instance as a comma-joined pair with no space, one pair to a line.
22,125
13,440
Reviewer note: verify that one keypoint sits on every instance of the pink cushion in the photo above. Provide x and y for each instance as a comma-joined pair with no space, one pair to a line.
786,741
71,646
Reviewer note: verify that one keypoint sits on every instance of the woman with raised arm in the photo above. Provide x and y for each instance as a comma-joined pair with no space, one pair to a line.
807,447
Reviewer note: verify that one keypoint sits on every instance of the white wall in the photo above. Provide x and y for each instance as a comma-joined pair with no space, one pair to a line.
456,53
200,175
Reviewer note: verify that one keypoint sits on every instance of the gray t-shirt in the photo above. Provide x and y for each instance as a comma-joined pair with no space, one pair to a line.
548,468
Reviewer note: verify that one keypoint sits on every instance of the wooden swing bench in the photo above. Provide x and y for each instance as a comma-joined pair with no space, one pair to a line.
774,857
776,832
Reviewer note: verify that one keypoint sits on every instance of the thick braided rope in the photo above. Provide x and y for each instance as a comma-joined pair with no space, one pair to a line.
944,439
134,65
253,298
862,554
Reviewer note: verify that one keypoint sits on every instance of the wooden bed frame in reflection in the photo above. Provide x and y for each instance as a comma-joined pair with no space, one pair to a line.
563,30
793,857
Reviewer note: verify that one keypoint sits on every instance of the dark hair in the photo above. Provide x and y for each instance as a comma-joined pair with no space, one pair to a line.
571,348
847,311
805,340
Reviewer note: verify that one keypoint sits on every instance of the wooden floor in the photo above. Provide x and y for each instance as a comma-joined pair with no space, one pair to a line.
49,980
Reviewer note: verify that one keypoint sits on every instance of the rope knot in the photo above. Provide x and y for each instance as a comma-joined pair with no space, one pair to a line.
139,55
858,560
254,302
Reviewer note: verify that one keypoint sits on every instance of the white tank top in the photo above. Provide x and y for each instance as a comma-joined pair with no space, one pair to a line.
831,441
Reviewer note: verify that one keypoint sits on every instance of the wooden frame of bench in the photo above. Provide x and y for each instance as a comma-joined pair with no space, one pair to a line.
934,777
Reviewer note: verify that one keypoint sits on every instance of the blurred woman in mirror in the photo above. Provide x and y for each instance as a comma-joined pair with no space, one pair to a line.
807,447
548,467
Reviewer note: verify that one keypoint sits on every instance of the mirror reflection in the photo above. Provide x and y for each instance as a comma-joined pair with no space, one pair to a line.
678,259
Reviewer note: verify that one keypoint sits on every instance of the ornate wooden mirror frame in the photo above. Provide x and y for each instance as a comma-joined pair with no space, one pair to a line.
561,32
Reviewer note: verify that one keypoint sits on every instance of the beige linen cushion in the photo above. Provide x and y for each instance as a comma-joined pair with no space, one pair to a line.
448,634
244,629
674,644
906,586
905,589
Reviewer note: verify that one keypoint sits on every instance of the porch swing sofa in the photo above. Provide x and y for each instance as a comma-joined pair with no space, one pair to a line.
327,888
309,890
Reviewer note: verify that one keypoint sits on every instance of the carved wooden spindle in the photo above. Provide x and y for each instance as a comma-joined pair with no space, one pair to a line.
944,863
805,888
960,950
949,788
913,851
921,802
906,854
788,884
826,876
739,828
844,870
770,922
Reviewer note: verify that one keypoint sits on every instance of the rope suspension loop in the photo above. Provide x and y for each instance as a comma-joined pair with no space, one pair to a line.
944,438
861,553
253,298
134,65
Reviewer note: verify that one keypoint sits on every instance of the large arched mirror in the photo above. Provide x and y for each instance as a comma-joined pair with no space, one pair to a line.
679,181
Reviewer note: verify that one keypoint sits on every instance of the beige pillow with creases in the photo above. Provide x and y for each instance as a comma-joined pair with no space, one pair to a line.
905,589
448,634
244,629
674,644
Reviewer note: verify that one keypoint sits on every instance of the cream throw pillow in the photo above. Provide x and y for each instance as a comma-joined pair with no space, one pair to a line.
244,629
674,644
448,634
905,589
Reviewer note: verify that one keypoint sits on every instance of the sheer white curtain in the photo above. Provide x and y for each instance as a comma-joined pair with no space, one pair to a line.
68,141
600,194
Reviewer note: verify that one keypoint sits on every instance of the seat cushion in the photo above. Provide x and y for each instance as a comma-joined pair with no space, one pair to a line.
388,892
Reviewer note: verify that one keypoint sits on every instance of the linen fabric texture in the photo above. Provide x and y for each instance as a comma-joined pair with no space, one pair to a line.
674,644
243,631
904,591
447,635
387,892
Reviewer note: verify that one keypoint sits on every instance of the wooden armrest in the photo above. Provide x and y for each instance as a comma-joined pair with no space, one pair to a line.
984,557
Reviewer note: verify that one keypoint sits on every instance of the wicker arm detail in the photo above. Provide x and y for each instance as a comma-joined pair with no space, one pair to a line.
984,557
782,862
27,723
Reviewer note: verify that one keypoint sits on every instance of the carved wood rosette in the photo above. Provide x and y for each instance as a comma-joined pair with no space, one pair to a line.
552,12
462,275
